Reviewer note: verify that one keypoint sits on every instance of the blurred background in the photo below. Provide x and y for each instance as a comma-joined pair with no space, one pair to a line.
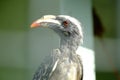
22,49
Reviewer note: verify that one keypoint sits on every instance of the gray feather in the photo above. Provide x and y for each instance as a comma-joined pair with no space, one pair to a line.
63,63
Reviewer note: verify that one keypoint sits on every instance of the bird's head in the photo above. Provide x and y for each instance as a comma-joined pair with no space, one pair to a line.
64,25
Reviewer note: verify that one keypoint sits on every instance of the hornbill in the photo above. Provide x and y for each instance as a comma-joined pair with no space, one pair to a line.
63,63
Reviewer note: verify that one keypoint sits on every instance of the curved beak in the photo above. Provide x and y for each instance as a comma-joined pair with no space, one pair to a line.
44,20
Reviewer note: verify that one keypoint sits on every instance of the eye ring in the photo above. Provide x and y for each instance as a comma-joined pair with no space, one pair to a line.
65,23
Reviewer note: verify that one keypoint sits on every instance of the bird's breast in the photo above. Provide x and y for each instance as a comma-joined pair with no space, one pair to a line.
65,70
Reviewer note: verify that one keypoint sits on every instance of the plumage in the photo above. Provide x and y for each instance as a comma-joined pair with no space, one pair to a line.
63,63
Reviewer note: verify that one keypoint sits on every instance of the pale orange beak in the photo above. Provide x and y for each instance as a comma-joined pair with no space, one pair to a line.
34,25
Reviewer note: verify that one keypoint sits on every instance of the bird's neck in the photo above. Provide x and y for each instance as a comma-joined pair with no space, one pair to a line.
69,45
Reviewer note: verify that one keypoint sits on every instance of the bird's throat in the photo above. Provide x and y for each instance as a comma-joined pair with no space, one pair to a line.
69,45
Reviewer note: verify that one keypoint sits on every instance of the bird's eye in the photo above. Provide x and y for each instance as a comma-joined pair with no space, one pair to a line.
65,23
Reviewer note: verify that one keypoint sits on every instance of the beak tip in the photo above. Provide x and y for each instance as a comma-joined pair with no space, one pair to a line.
33,25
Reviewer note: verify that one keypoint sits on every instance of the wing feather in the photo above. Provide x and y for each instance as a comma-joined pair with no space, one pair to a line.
47,67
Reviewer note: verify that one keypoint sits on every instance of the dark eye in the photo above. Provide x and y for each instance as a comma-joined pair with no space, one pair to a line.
65,23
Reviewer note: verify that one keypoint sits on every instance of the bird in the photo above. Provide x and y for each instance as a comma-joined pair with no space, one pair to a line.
63,63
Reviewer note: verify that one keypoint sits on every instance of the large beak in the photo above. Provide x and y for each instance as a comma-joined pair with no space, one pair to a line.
44,20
